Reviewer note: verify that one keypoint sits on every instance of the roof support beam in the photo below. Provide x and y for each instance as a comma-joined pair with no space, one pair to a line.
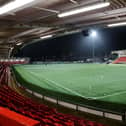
73,1
45,9
94,16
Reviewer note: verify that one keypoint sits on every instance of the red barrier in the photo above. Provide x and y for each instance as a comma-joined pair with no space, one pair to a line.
10,118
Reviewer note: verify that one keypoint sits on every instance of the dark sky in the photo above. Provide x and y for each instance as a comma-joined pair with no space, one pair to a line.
107,39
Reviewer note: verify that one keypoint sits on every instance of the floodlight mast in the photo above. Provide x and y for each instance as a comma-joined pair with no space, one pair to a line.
93,35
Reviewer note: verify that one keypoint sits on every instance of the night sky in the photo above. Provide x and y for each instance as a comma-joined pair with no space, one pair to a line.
77,45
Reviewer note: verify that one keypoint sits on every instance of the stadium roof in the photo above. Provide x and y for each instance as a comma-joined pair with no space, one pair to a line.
40,18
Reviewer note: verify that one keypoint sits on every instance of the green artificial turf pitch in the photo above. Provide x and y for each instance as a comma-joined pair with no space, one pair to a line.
100,85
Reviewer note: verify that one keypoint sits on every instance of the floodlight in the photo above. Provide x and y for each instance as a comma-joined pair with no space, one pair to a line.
12,48
22,60
11,60
6,60
19,43
83,9
47,36
13,5
117,24
17,60
93,33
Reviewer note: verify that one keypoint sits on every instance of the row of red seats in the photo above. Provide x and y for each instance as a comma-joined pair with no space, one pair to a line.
4,74
47,116
120,60
11,118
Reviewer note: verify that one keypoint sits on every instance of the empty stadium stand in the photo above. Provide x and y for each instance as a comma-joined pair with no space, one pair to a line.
47,116
120,60
5,68
4,72
10,118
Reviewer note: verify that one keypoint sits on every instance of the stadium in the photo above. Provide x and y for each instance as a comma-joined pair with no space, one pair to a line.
62,63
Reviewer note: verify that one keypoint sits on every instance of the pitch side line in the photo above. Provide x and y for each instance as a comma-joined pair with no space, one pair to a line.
89,98
117,65
74,92
114,94
69,90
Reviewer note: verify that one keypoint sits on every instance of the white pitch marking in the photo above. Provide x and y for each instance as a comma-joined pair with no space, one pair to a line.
114,94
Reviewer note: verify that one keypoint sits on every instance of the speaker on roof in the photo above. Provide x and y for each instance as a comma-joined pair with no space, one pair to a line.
85,32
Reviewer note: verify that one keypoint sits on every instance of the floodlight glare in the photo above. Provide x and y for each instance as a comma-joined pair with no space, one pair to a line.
47,36
13,5
83,9
93,33
117,24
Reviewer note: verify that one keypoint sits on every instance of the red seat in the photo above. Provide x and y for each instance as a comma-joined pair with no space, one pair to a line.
47,116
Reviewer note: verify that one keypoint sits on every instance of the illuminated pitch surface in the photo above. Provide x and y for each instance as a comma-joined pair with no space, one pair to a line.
89,81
